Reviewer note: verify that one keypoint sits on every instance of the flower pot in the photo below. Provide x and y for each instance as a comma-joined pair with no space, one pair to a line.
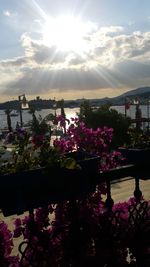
39,187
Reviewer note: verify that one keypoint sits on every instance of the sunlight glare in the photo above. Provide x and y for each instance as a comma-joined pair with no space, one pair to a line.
66,33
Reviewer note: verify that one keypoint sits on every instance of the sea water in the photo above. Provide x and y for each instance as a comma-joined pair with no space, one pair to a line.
70,112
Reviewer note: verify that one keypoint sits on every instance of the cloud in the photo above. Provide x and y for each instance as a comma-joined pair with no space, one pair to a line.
111,29
63,79
44,54
40,53
126,74
16,62
132,73
115,59
75,59
111,50
7,13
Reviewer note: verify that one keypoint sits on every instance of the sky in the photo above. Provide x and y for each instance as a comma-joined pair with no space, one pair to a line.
72,49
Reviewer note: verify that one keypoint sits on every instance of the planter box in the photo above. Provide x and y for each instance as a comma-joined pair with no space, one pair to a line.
140,158
36,188
135,155
89,163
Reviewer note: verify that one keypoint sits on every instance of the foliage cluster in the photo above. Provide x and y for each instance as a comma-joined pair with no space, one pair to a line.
138,139
105,116
33,149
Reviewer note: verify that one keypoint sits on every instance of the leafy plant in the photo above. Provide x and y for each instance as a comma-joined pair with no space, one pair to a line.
138,139
39,125
33,150
105,116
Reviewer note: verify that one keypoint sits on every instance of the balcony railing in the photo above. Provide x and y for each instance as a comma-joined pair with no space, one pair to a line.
111,235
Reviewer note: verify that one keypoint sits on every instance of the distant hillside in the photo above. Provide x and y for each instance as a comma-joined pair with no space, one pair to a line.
142,93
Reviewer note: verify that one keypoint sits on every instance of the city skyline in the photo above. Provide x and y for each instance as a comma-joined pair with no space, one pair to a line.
73,49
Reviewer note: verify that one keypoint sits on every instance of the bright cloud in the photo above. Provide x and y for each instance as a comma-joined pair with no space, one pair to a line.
73,46
7,13
115,60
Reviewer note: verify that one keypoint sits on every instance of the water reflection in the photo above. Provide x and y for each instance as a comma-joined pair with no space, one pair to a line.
70,112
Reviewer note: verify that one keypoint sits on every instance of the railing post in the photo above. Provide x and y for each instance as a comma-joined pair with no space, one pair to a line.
137,191
25,246
109,201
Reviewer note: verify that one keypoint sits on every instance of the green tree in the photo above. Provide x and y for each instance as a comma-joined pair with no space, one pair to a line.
60,104
35,123
85,109
7,112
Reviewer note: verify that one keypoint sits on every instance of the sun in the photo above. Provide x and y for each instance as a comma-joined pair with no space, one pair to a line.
66,33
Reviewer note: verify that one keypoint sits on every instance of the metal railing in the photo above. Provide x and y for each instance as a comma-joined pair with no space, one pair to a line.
110,226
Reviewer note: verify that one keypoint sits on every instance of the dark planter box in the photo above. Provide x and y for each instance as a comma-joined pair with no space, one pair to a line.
89,163
135,155
37,188
138,157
